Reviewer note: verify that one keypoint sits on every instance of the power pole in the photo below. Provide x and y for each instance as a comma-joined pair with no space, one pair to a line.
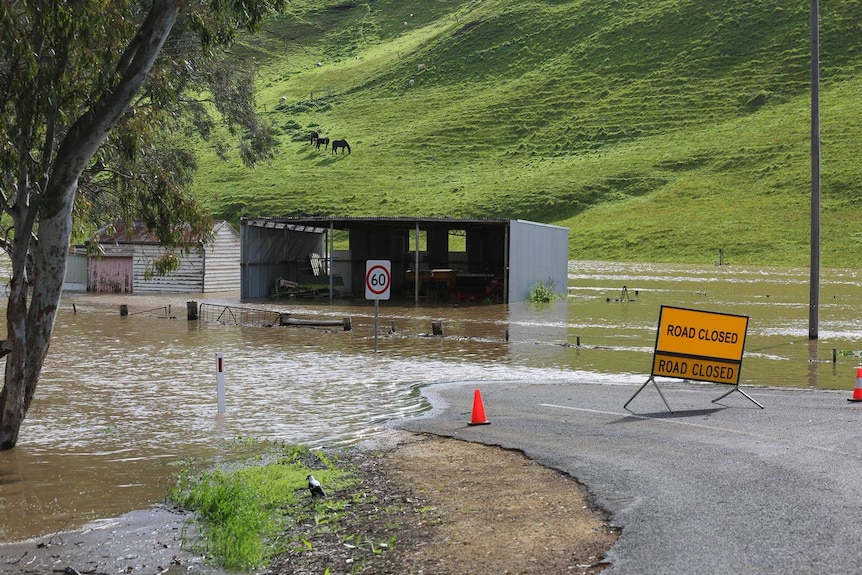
814,297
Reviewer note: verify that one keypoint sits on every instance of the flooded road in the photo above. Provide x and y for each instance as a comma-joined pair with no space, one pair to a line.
124,402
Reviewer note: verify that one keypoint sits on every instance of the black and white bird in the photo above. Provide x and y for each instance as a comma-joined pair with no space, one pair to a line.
314,487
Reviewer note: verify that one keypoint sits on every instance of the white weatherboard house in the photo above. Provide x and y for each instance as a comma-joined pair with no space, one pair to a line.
127,255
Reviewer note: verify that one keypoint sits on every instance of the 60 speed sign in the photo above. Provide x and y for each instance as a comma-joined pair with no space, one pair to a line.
378,279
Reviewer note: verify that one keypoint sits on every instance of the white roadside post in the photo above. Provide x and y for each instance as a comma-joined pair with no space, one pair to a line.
220,381
378,281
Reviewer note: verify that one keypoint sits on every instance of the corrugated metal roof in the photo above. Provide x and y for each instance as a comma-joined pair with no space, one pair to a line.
119,233
319,223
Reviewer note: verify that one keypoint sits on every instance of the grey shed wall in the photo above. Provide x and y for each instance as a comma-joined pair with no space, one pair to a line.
537,252
271,253
188,278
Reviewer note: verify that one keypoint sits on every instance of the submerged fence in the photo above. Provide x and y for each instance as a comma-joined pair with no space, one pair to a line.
230,315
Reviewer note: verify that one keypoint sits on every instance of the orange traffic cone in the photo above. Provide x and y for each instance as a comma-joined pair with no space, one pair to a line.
478,410
857,393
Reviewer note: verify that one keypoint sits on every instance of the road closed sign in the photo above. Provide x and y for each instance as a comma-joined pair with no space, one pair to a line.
699,345
378,279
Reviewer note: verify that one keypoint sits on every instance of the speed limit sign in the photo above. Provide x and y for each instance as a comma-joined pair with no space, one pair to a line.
378,279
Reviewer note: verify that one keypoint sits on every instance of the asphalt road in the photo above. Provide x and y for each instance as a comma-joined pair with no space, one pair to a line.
710,488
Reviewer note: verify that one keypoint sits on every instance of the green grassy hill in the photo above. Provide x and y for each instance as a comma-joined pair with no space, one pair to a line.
656,131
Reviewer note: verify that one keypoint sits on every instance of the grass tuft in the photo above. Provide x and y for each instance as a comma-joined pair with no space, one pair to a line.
242,512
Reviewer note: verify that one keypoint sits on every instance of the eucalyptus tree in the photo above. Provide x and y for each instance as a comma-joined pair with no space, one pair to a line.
96,100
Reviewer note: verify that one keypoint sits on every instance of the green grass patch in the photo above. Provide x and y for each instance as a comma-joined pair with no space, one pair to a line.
657,131
243,512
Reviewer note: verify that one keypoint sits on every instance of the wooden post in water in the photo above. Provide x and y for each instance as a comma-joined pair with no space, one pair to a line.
124,310
192,310
437,327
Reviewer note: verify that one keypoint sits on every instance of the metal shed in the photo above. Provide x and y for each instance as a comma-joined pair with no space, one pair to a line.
433,259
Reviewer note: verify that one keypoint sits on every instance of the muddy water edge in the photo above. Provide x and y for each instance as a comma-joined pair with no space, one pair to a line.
125,401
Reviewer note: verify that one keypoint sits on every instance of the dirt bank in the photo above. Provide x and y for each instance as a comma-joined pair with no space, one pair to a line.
423,504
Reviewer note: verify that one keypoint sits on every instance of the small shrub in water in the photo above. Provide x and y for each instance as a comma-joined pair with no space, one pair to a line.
543,293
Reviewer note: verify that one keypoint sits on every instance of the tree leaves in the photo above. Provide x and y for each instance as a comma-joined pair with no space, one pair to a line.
59,62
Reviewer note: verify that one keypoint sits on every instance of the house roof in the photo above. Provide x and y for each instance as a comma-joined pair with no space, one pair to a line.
137,233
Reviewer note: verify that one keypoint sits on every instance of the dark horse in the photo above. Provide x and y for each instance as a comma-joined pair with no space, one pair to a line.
314,136
324,141
340,144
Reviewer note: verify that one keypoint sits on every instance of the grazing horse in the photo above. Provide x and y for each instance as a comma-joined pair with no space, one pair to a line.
314,136
340,144
324,141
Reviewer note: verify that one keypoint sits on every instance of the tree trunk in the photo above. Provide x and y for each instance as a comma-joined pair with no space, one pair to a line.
29,328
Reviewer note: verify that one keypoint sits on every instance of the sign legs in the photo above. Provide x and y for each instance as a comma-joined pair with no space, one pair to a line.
736,388
651,379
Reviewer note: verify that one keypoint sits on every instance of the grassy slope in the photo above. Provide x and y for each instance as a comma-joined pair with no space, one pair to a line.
654,130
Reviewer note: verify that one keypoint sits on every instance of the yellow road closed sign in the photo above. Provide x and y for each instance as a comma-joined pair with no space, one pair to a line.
695,368
699,345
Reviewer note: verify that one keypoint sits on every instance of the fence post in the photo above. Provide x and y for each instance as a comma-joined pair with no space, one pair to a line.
192,310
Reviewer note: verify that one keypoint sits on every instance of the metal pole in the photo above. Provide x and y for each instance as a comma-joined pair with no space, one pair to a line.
331,276
507,299
814,299
416,269
376,321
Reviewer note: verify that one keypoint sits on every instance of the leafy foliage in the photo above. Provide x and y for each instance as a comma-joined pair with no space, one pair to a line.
145,168
543,293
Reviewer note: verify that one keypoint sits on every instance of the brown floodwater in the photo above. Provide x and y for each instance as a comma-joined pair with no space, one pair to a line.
125,402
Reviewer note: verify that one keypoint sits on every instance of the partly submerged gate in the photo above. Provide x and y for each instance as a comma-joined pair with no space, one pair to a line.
230,315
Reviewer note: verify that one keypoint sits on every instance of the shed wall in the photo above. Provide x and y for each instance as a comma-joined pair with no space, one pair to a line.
271,253
76,273
221,260
188,278
537,252
111,273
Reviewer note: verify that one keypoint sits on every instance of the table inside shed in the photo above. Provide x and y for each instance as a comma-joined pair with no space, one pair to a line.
455,285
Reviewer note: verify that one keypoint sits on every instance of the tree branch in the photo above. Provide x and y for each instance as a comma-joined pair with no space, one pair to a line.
90,130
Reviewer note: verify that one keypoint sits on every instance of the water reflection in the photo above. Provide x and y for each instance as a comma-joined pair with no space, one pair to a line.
124,400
